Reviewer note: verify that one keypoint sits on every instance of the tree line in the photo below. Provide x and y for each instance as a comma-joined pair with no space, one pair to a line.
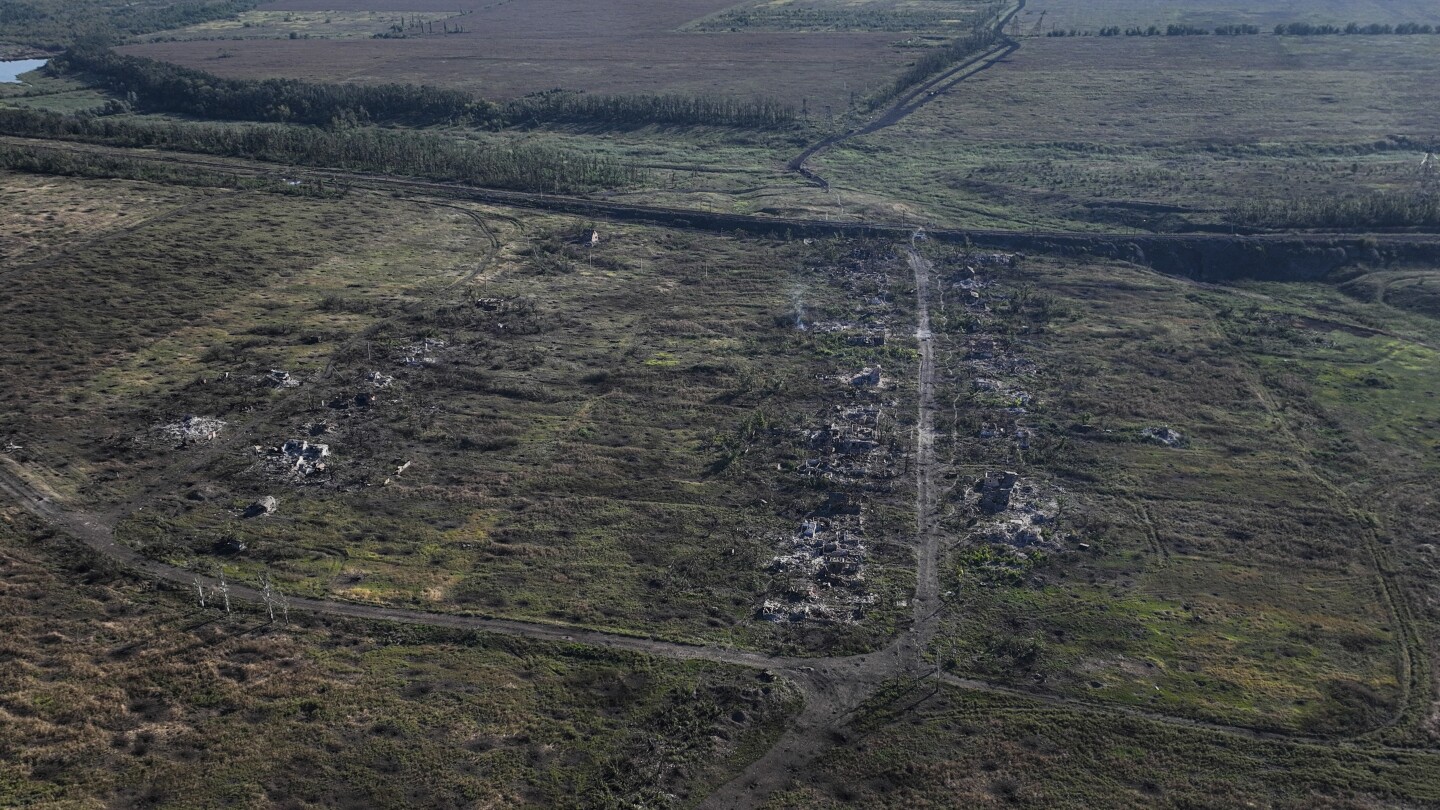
1283,29
1352,29
560,106
152,86
54,25
525,167
1387,209
936,60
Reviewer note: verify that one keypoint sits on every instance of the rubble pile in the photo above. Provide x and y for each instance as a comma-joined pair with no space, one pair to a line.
421,353
265,506
1019,511
193,429
296,459
850,446
822,567
280,378
1165,435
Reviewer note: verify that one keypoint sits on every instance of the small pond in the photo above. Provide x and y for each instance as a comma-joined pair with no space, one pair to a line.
10,71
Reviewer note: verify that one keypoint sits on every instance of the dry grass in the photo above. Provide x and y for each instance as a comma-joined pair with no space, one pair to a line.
507,50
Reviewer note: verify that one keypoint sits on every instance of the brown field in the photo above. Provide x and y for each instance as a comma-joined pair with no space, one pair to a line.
1068,124
509,50
1220,90
1089,14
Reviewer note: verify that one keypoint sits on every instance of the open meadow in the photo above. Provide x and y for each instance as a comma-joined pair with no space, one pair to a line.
1090,15
1085,133
113,693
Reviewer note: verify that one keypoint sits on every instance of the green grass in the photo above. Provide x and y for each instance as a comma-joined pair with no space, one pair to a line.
580,450
121,695
929,745
1066,133
935,17
307,24
1225,579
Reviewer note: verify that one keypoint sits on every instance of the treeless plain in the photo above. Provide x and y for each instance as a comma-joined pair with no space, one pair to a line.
512,48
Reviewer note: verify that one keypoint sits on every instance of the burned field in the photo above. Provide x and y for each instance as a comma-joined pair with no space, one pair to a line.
523,430
507,50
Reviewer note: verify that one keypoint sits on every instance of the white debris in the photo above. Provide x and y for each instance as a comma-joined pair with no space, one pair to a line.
1164,435
193,429
279,378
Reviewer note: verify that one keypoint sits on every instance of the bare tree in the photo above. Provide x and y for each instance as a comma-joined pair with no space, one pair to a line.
200,591
267,594
224,589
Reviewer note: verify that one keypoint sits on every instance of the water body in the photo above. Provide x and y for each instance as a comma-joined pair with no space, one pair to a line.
10,71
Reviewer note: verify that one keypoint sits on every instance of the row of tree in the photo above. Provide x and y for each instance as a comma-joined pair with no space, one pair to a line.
1373,29
559,106
152,86
1284,29
936,60
1167,30
1391,209
1170,31
527,167
54,25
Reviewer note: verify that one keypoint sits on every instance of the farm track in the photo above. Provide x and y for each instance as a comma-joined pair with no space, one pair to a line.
832,688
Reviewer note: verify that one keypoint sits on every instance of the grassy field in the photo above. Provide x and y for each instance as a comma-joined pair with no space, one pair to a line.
1231,577
932,17
1071,133
580,450
1096,14
40,91
117,695
315,25
928,745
